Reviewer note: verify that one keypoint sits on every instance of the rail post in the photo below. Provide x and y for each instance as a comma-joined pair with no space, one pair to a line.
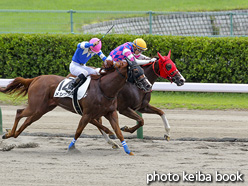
140,130
71,17
1,123
231,23
150,21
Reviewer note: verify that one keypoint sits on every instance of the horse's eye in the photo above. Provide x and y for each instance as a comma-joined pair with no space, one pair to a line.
168,67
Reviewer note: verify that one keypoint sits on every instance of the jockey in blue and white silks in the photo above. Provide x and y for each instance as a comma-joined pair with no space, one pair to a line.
84,52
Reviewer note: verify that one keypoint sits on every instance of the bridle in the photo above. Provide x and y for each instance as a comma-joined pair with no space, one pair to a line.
162,71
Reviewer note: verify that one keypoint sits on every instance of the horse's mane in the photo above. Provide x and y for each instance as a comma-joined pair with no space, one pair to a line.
103,72
109,67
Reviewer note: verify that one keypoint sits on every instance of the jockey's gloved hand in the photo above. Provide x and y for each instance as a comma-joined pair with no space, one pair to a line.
96,43
108,63
153,59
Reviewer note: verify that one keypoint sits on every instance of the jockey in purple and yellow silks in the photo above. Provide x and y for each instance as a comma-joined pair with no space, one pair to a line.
131,50
84,52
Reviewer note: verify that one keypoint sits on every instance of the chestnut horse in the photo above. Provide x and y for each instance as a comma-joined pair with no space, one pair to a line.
100,101
131,99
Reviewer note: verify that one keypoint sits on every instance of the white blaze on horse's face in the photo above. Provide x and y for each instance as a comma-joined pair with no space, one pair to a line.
148,85
182,78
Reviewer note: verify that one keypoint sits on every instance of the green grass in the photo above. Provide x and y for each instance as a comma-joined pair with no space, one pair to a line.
128,5
196,100
60,22
174,100
12,100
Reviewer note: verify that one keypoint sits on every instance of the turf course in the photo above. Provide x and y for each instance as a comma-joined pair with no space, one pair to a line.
128,5
37,22
175,100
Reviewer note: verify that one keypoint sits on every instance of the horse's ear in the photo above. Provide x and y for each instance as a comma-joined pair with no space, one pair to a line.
160,56
169,54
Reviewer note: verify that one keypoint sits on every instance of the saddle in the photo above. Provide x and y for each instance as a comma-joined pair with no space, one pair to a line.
63,91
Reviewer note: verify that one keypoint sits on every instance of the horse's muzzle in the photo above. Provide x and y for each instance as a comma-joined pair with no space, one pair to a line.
179,79
181,82
144,85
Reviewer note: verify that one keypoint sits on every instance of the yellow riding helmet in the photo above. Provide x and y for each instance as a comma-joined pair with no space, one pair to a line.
140,44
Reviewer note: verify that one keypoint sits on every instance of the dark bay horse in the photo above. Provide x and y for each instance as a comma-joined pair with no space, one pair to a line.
131,99
100,101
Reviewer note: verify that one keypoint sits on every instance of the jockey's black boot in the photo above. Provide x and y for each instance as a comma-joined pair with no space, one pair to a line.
78,81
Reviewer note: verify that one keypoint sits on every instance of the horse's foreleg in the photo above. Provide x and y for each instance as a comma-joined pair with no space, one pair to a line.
113,119
104,131
109,141
101,127
153,110
82,124
133,115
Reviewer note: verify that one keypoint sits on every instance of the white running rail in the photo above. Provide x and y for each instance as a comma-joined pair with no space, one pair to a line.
187,87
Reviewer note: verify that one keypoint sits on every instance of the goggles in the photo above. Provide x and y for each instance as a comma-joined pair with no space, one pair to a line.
139,50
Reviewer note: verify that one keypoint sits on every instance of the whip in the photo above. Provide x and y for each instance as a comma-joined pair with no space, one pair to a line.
107,32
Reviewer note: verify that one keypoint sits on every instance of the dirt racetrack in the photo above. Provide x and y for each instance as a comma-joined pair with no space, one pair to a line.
202,143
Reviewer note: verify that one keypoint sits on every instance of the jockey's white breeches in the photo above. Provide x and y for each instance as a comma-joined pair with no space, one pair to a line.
76,69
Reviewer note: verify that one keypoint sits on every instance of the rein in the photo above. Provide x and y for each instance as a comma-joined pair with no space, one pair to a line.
153,68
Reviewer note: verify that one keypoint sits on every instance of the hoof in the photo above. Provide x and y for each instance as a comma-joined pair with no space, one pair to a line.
124,128
131,154
73,151
4,136
112,136
115,146
167,138
71,148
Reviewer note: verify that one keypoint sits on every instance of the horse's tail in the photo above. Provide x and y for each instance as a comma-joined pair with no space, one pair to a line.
19,85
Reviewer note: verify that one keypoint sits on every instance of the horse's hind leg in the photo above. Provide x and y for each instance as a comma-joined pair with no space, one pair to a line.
19,115
31,115
133,115
34,117
153,110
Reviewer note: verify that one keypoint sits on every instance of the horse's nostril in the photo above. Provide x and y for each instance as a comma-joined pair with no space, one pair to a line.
180,83
148,86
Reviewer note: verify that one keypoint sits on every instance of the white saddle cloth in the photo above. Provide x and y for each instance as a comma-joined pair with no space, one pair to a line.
63,86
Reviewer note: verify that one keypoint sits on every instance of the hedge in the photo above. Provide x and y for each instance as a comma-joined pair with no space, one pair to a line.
199,59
